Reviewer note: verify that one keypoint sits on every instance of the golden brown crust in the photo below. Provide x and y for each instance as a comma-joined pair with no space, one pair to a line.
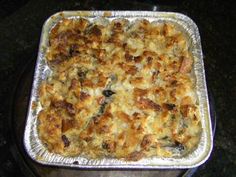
135,156
118,90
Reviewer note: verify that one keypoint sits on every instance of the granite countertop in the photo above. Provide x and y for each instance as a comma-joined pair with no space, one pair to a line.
19,38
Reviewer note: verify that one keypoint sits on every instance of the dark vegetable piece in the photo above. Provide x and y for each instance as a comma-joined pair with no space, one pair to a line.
109,146
73,50
173,117
117,26
149,60
65,141
96,119
169,106
70,109
165,138
95,31
75,162
128,57
82,74
155,74
102,108
137,59
179,146
174,83
105,145
113,77
107,93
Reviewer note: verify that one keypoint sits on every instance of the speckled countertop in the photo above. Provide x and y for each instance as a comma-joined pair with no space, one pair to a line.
19,37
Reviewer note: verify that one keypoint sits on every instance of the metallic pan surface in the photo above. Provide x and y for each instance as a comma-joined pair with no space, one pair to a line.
39,153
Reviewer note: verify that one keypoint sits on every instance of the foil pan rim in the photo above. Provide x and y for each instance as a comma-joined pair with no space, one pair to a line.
38,153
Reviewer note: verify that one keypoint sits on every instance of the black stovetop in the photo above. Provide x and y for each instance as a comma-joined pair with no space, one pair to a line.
20,30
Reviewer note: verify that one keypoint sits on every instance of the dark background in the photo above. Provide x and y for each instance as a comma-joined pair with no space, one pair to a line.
20,27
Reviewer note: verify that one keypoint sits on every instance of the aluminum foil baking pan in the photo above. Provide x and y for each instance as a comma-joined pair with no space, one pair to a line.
39,153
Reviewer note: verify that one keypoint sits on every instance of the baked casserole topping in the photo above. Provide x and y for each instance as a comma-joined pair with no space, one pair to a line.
119,89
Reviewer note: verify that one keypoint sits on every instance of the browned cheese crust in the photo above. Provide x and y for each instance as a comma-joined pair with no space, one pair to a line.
119,89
